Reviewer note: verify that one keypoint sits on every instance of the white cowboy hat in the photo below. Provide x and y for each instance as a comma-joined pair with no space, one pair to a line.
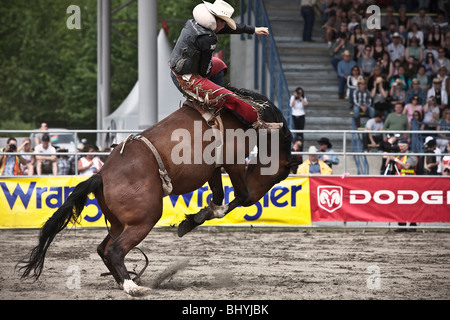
222,10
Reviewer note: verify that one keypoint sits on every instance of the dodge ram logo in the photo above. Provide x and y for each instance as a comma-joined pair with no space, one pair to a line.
329,197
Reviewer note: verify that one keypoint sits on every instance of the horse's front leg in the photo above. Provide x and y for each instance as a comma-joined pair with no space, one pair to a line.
215,209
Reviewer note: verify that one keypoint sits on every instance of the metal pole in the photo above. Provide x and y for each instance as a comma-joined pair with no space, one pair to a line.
99,69
147,63
106,62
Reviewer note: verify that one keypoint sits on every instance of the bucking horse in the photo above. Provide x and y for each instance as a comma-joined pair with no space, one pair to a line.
146,167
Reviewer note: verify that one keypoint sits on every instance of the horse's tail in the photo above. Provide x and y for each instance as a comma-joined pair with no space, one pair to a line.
69,211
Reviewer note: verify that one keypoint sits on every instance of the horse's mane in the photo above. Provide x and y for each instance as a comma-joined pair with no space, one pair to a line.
270,113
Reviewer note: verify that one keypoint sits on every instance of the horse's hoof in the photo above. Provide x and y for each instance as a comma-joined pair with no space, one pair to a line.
184,227
134,290
201,216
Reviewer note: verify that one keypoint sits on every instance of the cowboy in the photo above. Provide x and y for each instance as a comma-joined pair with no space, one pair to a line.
192,64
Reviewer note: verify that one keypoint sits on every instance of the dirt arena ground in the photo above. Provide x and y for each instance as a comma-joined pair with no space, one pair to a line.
230,264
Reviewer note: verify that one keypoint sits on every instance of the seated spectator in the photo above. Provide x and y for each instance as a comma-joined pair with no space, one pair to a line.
344,69
402,76
416,91
313,165
28,168
386,66
326,146
431,114
379,96
376,74
396,121
413,52
397,93
45,161
389,18
63,163
403,19
11,165
431,65
442,60
441,22
89,164
366,62
372,140
378,50
424,81
443,125
352,82
396,49
423,22
446,166
439,94
416,33
358,38
436,38
362,102
338,48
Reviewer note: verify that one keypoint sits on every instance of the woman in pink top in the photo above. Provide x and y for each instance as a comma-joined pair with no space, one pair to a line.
411,107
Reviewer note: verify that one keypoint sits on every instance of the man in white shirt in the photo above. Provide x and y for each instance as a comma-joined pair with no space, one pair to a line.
396,49
44,159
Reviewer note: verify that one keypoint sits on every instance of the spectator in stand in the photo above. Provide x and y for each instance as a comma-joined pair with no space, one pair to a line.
379,96
357,38
357,9
397,93
431,65
442,61
344,70
297,147
89,164
403,19
431,114
402,76
396,49
313,165
46,157
28,168
396,121
436,38
63,163
352,82
416,138
389,17
416,91
423,22
362,102
298,104
307,12
372,140
439,94
443,125
416,33
378,50
411,107
386,66
37,137
329,158
446,166
10,165
413,52
441,22
338,48
376,74
430,49
422,79
366,62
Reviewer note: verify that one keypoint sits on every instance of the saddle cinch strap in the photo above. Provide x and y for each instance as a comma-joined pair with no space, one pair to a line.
163,175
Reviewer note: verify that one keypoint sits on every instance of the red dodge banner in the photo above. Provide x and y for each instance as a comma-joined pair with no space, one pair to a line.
380,199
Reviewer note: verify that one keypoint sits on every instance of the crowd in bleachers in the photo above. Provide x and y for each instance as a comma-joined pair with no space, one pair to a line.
406,61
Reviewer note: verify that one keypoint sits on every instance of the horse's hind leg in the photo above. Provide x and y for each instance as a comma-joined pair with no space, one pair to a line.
116,252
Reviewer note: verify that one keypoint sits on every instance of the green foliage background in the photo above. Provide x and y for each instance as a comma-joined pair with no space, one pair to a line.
49,72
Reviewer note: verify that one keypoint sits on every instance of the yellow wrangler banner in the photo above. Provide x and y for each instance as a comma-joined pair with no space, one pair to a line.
29,202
